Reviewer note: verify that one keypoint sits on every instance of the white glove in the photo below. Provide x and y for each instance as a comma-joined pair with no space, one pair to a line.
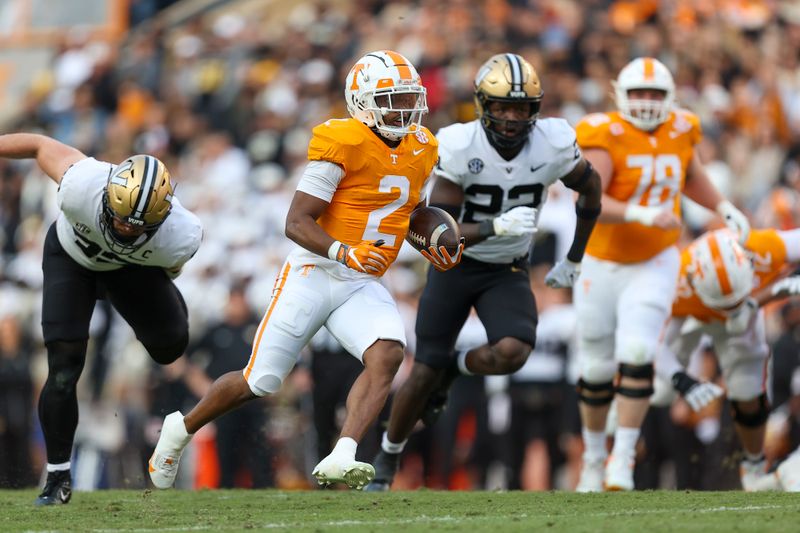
517,221
641,214
702,394
786,287
697,394
739,320
563,274
734,219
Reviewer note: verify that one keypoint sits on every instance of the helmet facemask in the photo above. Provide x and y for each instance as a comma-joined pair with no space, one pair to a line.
396,111
506,133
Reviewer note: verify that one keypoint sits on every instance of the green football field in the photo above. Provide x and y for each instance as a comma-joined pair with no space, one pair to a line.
328,510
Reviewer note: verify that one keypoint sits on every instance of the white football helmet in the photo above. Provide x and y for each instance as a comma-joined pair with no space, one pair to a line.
721,271
644,73
372,88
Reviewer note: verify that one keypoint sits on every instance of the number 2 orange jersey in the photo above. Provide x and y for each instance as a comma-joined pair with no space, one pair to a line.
768,251
649,170
380,186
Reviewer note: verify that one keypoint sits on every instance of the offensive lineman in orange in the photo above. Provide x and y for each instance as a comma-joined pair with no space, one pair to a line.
720,290
644,153
349,216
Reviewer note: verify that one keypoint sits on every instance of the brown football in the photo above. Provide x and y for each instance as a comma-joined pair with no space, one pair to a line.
433,226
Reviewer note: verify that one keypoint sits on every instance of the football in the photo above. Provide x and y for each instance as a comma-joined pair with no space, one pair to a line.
433,226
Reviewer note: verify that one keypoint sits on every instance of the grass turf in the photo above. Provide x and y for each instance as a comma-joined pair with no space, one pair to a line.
328,510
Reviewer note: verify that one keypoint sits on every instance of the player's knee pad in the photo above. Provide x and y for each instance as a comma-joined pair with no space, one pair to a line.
65,361
751,419
595,394
636,351
597,370
269,372
165,355
638,372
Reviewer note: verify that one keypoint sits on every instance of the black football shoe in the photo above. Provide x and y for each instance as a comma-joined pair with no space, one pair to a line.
57,489
386,466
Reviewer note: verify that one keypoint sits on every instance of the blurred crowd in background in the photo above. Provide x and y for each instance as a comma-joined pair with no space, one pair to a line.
228,98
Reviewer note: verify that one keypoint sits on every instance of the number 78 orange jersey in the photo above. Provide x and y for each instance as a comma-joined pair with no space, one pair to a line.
380,186
649,170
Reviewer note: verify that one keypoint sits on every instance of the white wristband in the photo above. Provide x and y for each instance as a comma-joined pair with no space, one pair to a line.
641,214
333,250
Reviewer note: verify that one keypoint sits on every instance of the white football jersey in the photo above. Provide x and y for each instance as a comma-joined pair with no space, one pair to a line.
493,185
80,198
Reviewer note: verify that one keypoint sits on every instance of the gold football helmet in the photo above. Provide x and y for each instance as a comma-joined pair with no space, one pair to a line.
138,193
507,78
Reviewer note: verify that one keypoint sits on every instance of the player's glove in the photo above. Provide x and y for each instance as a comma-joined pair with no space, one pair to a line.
697,394
563,274
365,256
734,219
518,221
739,320
786,287
441,259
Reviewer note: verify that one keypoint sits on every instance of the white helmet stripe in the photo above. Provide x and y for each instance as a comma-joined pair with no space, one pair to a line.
148,183
516,72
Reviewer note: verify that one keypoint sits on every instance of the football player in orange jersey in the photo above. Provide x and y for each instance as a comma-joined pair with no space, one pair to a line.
349,217
721,288
644,153
493,176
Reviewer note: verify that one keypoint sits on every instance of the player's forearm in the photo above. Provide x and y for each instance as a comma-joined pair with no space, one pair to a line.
305,231
475,233
588,209
20,145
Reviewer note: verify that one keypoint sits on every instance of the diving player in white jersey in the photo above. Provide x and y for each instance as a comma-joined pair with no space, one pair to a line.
120,235
492,176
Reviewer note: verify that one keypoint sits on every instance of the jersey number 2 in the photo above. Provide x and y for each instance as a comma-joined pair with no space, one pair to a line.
388,184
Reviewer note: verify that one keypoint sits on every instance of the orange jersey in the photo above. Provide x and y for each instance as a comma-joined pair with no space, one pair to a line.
769,257
649,170
380,186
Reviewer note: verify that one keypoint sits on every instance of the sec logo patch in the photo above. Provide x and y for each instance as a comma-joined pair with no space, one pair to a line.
475,165
421,136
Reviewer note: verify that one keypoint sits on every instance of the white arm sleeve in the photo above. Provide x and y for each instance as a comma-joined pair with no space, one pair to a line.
320,179
791,239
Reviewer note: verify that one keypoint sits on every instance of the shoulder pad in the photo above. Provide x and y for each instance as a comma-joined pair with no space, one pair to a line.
343,131
458,136
557,132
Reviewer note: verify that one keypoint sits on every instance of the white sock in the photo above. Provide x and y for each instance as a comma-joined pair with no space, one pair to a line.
177,437
59,467
625,441
462,363
392,447
752,457
345,446
594,444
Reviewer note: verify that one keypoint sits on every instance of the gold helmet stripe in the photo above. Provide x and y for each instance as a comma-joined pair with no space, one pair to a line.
516,72
148,184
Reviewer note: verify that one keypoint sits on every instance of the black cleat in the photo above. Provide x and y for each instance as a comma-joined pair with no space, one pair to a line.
386,466
57,489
